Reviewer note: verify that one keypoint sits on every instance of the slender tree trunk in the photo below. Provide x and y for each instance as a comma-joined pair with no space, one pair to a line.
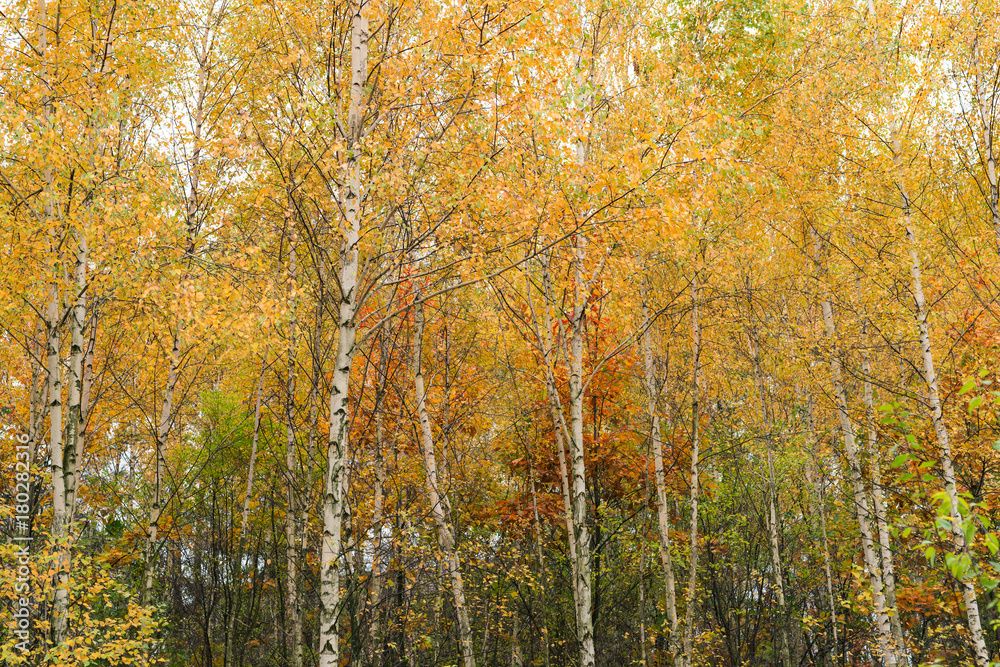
85,406
772,502
972,613
691,597
378,500
72,443
821,503
192,207
60,604
578,470
162,431
241,542
881,517
60,527
986,109
333,502
560,432
440,507
294,604
642,601
662,510
883,629
516,656
539,559
585,624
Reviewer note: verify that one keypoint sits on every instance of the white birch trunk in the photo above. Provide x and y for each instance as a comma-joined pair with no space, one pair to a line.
38,406
165,423
883,630
440,507
333,502
294,604
378,502
986,105
662,510
772,513
881,518
72,443
88,379
559,430
581,534
60,595
60,602
241,541
972,613
821,502
691,597
162,431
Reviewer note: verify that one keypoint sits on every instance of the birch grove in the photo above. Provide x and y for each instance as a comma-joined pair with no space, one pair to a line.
535,333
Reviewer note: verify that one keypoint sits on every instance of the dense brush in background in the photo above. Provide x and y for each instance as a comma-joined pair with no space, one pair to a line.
532,333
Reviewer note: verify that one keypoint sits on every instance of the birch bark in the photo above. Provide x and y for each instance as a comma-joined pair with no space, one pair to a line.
878,500
53,323
162,431
337,447
986,108
695,474
972,613
378,501
772,513
886,643
581,534
60,603
560,431
821,503
241,542
440,506
662,510
294,604
192,206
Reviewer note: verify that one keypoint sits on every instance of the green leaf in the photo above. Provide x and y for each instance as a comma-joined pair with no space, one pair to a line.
900,460
975,403
992,543
930,553
968,386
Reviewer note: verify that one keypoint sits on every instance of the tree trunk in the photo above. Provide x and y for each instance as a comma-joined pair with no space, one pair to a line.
772,502
691,598
440,507
878,498
292,480
560,431
581,535
821,503
378,500
191,207
857,483
333,500
60,603
162,431
986,103
975,626
662,511
241,542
